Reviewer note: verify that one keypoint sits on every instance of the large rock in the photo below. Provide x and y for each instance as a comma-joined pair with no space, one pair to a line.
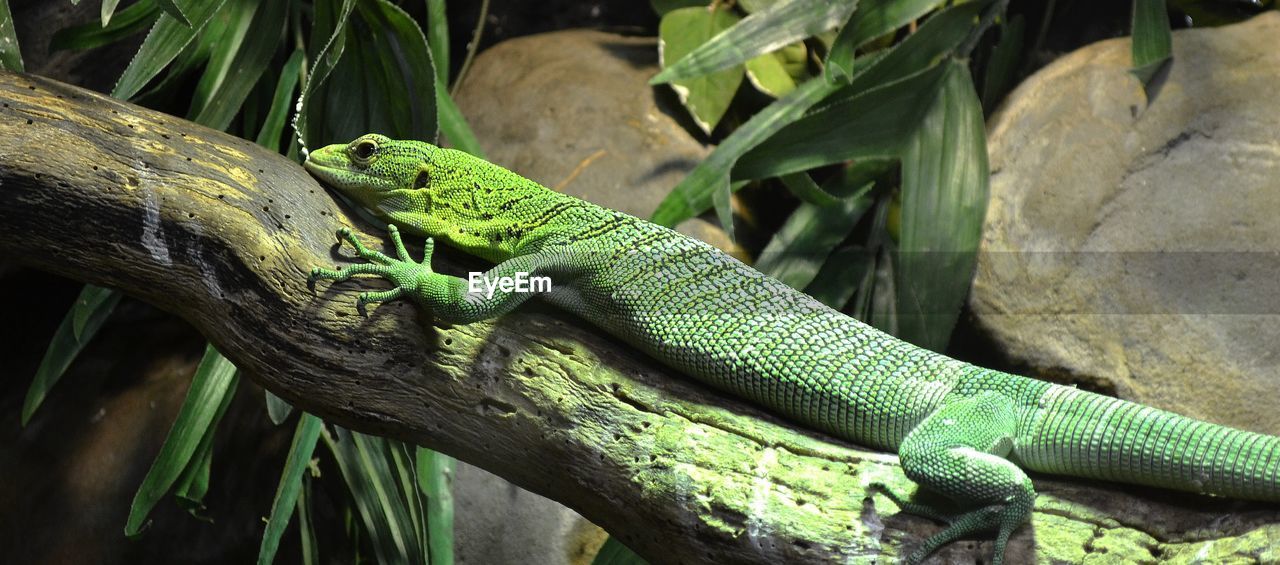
1133,247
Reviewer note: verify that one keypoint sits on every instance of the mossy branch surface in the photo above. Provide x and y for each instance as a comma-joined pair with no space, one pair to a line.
223,233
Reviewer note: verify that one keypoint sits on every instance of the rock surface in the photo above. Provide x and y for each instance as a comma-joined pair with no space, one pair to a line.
1132,247
571,110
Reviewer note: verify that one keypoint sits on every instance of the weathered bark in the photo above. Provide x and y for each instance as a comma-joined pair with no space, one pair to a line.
223,233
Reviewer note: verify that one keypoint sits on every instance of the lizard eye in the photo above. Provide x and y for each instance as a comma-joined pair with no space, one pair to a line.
424,178
364,149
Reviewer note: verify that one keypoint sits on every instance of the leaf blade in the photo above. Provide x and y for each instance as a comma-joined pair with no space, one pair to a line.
783,22
287,497
167,38
214,379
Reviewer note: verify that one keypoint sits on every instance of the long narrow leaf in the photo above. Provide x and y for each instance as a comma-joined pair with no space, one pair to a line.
799,249
783,22
334,26
944,201
438,39
694,194
287,494
1000,68
193,484
225,33
277,409
10,55
875,18
365,467
126,22
214,380
273,126
395,59
108,8
247,66
435,481
454,126
167,38
871,126
94,302
170,7
941,35
1152,41
92,307
306,531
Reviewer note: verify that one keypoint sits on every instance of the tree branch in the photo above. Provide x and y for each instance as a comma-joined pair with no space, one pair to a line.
223,233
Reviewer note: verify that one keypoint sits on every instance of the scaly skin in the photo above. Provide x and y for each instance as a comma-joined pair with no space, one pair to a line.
960,430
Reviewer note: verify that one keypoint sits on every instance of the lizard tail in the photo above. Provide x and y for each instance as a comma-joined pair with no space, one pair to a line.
1083,434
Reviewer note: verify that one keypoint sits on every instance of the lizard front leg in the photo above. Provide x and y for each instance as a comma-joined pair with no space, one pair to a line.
448,298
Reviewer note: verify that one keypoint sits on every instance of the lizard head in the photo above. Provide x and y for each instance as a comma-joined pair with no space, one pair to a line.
423,189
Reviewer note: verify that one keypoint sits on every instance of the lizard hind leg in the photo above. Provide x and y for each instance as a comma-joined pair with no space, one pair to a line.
959,451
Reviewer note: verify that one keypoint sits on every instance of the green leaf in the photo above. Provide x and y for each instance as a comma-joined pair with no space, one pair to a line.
1000,68
87,315
944,201
167,38
706,96
170,7
306,531
783,22
108,8
273,126
801,246
454,126
1152,42
874,125
874,18
942,34
850,272
213,383
386,53
694,194
384,492
225,33
769,76
801,185
10,54
879,17
330,21
435,480
245,66
613,552
932,122
277,409
193,484
438,39
127,22
287,494
94,302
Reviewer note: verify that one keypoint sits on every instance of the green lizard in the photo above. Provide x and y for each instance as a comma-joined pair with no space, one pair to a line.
960,430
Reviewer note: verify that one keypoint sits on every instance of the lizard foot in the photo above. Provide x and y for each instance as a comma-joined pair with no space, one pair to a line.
406,274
